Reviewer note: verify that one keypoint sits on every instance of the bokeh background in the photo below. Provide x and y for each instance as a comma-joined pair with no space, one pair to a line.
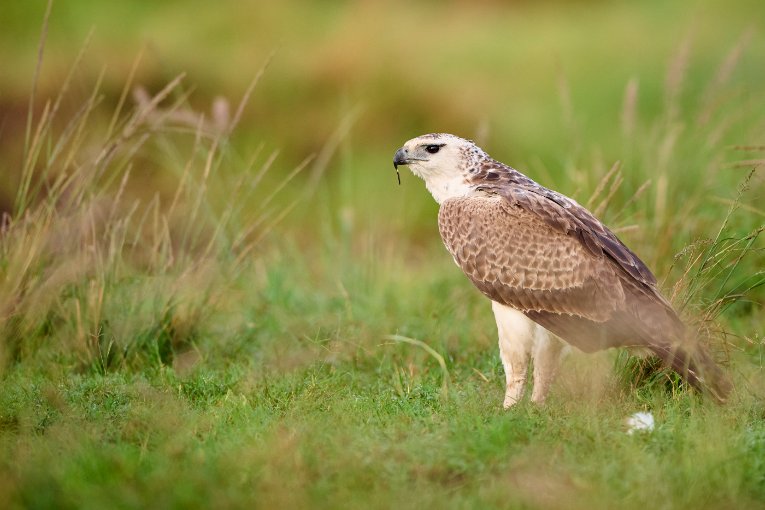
559,90
540,84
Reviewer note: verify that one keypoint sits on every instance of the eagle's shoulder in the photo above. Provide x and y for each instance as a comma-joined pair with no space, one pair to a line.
562,214
517,259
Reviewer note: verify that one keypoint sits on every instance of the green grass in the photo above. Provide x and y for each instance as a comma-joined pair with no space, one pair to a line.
189,319
370,430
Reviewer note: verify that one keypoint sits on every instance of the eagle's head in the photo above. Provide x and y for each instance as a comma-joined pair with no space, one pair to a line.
446,163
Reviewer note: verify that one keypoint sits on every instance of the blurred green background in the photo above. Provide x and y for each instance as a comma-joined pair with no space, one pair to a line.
534,81
559,90
541,85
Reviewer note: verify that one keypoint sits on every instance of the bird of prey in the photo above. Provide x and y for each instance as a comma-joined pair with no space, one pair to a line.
550,268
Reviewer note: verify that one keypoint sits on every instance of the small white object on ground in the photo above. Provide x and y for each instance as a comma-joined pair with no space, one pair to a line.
639,422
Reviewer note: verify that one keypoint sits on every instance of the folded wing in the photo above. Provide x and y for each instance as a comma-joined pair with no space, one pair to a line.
528,252
553,261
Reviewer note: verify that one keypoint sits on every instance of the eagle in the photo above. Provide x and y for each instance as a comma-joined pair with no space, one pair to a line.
553,272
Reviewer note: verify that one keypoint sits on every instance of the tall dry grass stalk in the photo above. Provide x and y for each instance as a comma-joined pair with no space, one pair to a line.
103,270
676,74
629,108
716,270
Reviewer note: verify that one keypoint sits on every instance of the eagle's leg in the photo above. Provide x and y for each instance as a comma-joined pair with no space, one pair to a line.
546,355
516,337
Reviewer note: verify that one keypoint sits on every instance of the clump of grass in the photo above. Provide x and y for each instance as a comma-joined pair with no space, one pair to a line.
433,353
711,283
716,273
100,271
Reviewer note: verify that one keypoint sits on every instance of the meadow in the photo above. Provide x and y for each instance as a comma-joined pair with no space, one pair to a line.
213,292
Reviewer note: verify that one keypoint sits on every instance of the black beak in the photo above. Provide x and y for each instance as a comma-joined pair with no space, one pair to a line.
400,158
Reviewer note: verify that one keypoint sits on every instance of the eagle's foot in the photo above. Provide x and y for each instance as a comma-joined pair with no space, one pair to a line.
514,392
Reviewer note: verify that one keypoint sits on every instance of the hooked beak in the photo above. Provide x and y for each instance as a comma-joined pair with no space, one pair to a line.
400,158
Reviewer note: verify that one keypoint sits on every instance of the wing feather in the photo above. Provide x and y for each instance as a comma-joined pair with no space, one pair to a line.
534,257
512,255
562,214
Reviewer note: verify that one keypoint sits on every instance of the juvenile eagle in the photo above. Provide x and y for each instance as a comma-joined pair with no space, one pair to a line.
548,266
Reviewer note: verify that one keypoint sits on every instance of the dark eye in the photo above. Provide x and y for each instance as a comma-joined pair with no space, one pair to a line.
433,148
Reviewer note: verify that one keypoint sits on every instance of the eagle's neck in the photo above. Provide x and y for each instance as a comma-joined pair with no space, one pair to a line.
443,182
443,187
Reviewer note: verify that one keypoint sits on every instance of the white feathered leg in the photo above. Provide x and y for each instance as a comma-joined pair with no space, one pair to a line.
516,338
547,355
519,339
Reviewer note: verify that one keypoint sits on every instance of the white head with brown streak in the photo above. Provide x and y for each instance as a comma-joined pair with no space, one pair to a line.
445,162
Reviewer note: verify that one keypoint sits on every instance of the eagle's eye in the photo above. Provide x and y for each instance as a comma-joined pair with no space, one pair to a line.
433,148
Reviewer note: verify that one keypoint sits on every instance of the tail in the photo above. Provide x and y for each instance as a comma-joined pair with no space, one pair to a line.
657,324
694,364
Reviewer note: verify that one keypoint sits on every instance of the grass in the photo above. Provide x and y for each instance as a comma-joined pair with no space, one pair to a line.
188,319
345,434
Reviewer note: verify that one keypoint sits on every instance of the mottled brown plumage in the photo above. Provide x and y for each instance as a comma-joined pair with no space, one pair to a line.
517,259
537,251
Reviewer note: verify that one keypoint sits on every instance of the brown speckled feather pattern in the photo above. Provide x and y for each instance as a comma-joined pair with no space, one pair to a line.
558,211
517,259
540,252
